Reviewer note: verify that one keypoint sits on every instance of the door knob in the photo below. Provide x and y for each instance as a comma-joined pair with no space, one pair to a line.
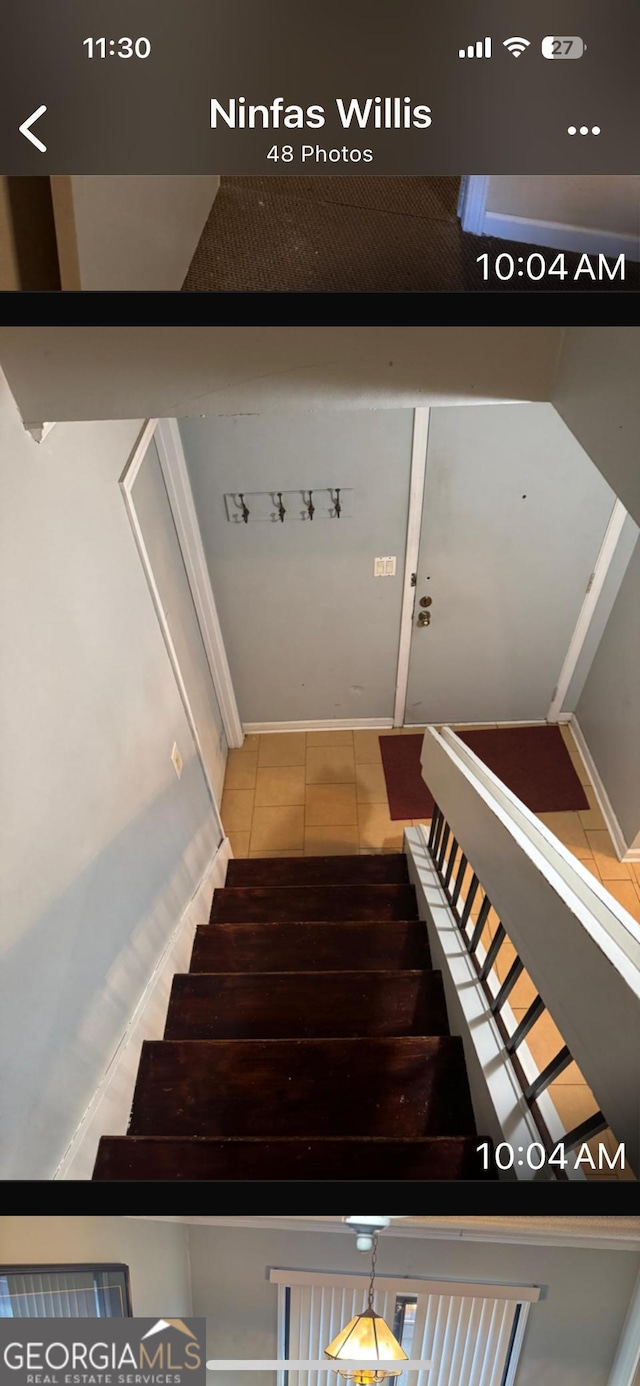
424,618
426,601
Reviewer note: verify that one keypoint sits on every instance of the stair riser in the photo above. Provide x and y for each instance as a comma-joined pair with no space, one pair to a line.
385,869
306,1005
405,1087
134,1157
309,947
262,904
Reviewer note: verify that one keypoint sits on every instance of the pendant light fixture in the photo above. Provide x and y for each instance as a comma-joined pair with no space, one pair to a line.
367,1338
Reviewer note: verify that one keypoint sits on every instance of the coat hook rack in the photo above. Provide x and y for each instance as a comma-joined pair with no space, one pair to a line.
299,503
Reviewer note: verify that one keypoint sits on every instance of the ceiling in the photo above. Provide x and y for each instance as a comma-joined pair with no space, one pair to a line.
615,1233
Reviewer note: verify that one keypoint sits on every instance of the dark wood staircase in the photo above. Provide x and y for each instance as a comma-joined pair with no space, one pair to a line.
309,1040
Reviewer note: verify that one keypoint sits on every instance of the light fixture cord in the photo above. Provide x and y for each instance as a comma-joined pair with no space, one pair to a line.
374,1257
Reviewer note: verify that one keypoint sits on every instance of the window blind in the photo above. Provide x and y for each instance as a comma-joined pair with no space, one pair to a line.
470,1338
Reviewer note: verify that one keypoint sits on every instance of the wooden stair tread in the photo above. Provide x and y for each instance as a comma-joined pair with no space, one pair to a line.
182,1158
280,1005
401,1086
387,868
322,944
255,904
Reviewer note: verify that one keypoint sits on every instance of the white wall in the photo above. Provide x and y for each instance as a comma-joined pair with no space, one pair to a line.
133,232
609,202
570,1340
155,1252
104,373
596,393
571,211
101,846
608,710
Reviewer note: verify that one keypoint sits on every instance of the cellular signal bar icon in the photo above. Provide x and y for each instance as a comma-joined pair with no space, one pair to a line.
481,49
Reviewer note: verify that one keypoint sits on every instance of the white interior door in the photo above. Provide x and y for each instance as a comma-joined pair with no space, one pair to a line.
514,514
165,556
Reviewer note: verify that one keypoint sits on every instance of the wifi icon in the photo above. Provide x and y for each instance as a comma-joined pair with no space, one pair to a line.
516,46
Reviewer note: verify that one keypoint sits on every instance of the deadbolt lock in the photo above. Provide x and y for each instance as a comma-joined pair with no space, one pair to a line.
424,618
426,601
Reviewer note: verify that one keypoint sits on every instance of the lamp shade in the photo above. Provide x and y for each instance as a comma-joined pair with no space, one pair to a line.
366,1338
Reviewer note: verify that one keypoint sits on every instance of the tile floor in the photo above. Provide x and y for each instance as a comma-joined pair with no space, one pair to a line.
317,793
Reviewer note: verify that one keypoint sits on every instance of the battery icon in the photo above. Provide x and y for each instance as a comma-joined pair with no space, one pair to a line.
563,47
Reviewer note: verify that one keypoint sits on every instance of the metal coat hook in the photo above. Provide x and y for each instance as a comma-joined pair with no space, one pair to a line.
336,502
280,507
244,509
310,506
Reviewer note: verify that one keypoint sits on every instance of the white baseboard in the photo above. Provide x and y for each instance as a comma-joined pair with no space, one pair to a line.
582,239
356,724
623,852
109,1108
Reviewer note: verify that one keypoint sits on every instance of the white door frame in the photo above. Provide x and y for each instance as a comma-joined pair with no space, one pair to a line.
127,481
176,477
472,202
414,524
587,611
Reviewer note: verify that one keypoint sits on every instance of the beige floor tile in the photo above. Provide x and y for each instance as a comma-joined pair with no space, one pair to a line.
610,869
330,738
290,852
422,822
634,871
367,746
236,809
569,829
523,993
576,758
330,765
277,829
251,742
327,841
591,817
626,894
280,785
241,770
371,786
239,843
330,805
590,864
282,748
378,830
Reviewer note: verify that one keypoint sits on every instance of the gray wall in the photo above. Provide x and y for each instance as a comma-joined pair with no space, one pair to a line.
155,1252
572,1333
166,372
101,846
596,393
310,634
609,708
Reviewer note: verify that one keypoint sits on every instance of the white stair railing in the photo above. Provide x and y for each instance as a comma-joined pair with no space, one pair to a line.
485,851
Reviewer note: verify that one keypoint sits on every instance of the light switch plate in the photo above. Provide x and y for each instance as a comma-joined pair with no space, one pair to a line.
384,567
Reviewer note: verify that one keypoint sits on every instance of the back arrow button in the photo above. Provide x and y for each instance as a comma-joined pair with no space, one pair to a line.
25,129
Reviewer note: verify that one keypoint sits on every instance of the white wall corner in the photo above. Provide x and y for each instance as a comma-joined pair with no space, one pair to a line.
38,431
627,1359
109,1108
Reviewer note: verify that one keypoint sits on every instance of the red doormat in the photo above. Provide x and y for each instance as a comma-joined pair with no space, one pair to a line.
533,762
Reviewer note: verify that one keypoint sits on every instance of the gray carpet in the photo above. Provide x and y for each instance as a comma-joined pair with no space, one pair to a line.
349,233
